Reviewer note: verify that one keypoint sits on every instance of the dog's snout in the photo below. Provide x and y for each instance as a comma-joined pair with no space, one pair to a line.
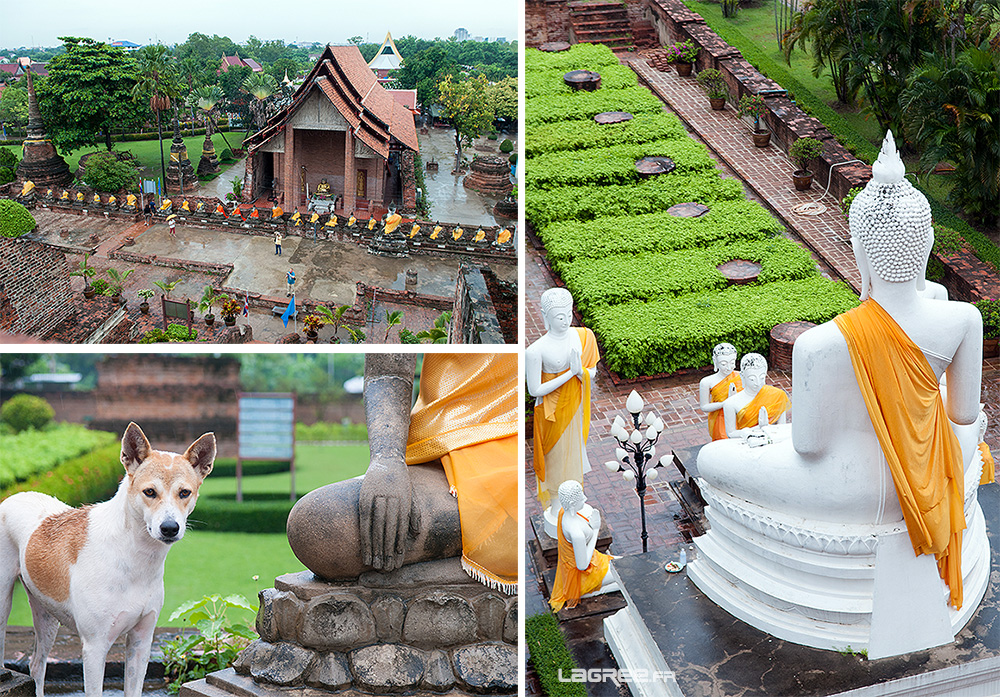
169,528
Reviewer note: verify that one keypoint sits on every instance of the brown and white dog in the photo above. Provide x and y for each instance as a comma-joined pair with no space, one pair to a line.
99,569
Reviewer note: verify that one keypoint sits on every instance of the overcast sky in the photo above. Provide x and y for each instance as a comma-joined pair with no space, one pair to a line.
41,23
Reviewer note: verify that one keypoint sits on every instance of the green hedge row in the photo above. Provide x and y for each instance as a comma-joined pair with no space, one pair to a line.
585,105
663,336
650,276
255,514
226,467
80,480
614,165
577,135
550,657
331,431
657,232
541,82
31,452
578,57
656,194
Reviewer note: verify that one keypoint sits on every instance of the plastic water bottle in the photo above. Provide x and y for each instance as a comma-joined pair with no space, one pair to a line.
683,558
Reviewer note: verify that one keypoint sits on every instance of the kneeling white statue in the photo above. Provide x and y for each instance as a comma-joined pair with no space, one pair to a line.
863,528
581,570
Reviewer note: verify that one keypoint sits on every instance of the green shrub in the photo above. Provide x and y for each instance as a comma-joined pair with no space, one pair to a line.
655,194
663,336
946,240
15,220
713,83
507,146
577,135
105,172
657,232
6,175
8,158
31,452
550,657
175,332
226,467
323,431
541,82
227,155
80,480
845,203
24,411
585,105
578,57
613,165
100,286
803,150
255,514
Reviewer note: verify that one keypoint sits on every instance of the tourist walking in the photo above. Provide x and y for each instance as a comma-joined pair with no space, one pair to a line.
277,242
148,212
172,224
290,277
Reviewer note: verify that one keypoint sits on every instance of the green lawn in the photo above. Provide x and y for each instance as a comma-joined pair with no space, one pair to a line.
204,563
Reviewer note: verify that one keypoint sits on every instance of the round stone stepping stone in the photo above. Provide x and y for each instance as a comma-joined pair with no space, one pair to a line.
586,80
606,117
554,46
783,338
688,210
739,272
651,166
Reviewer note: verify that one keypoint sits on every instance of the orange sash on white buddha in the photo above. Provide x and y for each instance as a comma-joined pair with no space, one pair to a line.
467,415
719,393
989,466
571,583
772,398
904,402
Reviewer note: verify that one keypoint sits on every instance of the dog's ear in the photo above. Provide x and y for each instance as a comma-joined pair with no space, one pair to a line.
135,447
201,454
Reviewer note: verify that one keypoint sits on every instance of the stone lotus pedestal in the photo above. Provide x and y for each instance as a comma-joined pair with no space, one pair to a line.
489,175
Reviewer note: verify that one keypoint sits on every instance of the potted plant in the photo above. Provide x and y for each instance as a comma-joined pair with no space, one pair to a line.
312,323
803,150
990,309
334,317
145,294
207,301
86,272
715,86
230,308
100,286
753,105
117,283
683,54
166,286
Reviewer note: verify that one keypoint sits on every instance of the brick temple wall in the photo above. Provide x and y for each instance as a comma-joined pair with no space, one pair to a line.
34,287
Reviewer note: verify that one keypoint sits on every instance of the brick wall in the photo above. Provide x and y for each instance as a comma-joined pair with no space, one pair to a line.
34,287
545,20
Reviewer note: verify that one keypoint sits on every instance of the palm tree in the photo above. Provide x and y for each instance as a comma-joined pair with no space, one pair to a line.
262,86
206,98
157,81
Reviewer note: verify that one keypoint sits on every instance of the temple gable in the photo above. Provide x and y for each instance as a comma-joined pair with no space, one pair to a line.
319,114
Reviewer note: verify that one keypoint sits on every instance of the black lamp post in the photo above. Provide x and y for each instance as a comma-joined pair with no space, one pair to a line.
636,450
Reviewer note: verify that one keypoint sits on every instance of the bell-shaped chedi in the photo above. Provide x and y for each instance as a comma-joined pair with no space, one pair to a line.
490,175
181,178
41,163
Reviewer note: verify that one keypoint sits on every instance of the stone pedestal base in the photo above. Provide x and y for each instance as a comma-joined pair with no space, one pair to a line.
490,175
180,173
15,684
42,165
391,245
426,627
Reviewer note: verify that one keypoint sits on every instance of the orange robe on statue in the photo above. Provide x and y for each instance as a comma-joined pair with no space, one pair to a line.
719,393
773,398
989,466
556,412
467,416
904,402
571,583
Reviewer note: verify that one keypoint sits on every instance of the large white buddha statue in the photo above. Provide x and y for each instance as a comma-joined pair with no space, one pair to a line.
863,528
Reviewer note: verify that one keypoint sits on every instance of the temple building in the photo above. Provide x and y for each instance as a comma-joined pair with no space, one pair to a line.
386,60
343,142
230,61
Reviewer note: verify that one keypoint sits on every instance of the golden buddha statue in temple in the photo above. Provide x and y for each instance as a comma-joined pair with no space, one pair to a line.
323,189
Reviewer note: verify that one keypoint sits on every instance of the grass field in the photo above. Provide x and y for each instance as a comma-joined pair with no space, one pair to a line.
204,562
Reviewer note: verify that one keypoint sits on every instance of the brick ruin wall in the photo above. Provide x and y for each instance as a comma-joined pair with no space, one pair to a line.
34,287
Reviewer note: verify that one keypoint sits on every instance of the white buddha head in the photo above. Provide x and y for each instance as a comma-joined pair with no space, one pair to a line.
753,372
724,358
571,496
557,310
890,224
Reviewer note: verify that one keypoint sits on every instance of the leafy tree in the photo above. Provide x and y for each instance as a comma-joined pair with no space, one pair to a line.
502,98
87,94
157,81
262,87
949,110
278,68
237,101
468,106
208,51
105,172
14,106
206,98
424,71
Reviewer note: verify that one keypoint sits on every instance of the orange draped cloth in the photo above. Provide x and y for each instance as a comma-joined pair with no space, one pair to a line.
467,416
904,402
556,411
773,398
719,393
571,583
989,466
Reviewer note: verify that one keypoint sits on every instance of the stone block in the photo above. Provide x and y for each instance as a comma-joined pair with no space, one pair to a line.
510,623
388,667
440,619
329,671
280,664
389,611
490,609
438,675
339,621
286,614
266,623
489,668
247,656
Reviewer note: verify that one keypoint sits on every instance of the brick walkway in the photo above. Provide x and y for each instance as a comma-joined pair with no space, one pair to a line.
765,170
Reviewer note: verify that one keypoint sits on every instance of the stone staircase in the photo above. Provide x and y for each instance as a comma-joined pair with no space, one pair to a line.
600,22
